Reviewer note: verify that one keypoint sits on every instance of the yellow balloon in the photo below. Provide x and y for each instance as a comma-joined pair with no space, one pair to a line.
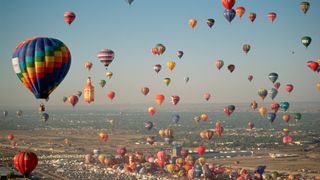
318,85
202,161
109,74
263,111
171,65
101,158
170,168
192,23
166,81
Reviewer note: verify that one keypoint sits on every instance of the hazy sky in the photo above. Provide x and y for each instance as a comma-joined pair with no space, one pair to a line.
131,32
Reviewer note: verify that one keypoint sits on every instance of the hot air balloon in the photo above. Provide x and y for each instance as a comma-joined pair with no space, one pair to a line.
88,65
289,88
186,79
44,117
19,113
196,119
161,132
314,66
106,56
228,4
41,108
148,125
287,139
154,51
306,40
111,95
229,14
210,22
254,105
262,93
240,10
88,158
103,136
286,118
284,106
168,132
69,17
25,162
273,93
109,74
73,100
129,2
30,65
228,110
318,85
157,68
262,111
102,83
159,98
160,48
272,16
79,93
275,106
175,100
121,151
252,16
250,125
175,118
179,54
273,77
297,116
171,65
207,134
192,23
5,113
231,68
10,136
150,140
64,99
271,116
207,96
218,130
250,77
152,110
277,85
246,48
145,90
166,81
88,92
204,117
219,64
304,6
201,150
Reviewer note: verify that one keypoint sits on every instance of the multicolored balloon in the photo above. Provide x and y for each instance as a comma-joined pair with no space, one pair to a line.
207,96
240,10
272,16
179,54
273,77
73,100
254,105
109,74
152,110
275,107
246,48
145,90
88,65
262,93
210,22
229,14
304,6
175,99
166,81
157,68
29,62
273,93
277,85
106,56
219,63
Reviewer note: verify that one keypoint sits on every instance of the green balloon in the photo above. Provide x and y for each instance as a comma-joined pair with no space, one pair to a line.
102,83
297,116
306,40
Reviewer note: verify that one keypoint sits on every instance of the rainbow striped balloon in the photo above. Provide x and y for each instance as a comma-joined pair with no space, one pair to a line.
41,64
106,56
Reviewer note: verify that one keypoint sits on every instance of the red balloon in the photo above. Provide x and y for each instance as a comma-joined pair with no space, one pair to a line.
25,162
155,51
121,151
201,150
145,91
10,136
252,16
289,88
227,111
111,95
250,77
175,100
313,65
161,155
206,96
73,100
69,17
272,16
250,125
287,139
275,107
231,68
277,85
228,4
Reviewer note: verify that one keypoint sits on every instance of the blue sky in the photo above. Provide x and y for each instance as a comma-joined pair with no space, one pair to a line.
131,32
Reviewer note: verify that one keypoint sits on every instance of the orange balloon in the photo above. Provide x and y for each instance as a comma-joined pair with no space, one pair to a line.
204,117
152,110
192,23
159,98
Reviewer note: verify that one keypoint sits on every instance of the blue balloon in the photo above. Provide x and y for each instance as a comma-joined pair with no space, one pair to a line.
229,14
129,1
271,116
175,118
260,169
284,106
273,93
